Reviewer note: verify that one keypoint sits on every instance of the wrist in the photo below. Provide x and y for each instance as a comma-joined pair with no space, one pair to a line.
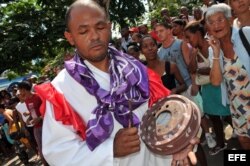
216,58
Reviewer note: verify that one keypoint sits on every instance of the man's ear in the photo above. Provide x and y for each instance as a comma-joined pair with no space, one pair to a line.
69,37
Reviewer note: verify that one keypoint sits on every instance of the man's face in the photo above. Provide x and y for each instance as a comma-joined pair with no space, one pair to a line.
143,29
162,33
124,32
22,94
197,14
89,32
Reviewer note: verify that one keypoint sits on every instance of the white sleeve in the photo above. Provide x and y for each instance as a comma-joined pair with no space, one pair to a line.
246,31
61,146
210,56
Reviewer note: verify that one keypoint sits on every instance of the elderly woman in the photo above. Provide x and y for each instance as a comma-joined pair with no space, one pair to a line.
231,65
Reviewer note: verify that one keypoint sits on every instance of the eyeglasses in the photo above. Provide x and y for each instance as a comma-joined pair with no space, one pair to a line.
219,21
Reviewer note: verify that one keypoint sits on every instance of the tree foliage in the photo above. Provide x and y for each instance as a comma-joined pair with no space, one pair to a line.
31,31
172,5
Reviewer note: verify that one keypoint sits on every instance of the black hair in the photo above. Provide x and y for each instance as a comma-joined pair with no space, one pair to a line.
137,35
134,46
25,85
179,22
194,27
148,36
13,100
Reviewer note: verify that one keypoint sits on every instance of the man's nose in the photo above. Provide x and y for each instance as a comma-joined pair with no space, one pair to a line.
94,34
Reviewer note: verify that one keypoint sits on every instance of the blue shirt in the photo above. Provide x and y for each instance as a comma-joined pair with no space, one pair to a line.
174,54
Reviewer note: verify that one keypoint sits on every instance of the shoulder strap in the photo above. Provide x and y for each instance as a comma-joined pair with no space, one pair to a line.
204,59
167,67
244,41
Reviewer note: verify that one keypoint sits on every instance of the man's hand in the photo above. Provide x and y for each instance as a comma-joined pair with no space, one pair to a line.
126,142
181,158
26,114
37,120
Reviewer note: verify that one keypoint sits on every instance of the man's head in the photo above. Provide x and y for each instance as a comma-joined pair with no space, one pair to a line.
125,31
88,29
197,12
163,31
184,10
24,89
164,12
143,29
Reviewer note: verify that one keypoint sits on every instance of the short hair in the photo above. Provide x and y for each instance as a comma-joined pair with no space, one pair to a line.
179,22
195,26
165,25
219,8
77,3
134,46
24,85
137,35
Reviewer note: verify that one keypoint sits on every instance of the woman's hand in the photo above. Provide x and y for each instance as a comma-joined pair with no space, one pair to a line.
215,44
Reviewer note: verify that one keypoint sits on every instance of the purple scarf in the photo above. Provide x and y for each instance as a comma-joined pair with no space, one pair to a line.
128,80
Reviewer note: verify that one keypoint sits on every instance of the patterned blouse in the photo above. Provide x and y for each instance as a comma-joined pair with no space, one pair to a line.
238,87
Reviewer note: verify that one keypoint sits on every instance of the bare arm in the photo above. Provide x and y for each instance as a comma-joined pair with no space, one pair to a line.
215,73
192,67
9,118
182,86
186,53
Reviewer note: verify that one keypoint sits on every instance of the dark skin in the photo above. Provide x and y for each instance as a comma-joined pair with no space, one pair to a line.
149,49
126,142
90,37
95,34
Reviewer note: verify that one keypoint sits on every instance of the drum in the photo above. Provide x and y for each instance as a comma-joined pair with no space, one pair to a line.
169,125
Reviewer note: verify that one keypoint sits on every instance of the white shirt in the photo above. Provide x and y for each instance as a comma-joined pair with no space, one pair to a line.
63,147
22,108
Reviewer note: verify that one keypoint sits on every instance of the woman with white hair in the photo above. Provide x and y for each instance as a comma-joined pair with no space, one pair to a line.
231,65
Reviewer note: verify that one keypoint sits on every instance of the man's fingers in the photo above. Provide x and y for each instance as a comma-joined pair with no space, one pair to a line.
131,131
192,158
135,149
135,143
181,163
174,163
186,162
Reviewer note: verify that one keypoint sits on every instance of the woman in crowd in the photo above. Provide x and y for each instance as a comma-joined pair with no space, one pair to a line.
178,27
241,9
167,70
231,65
211,95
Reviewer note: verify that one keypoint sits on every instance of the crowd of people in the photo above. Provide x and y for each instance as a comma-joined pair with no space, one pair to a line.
84,115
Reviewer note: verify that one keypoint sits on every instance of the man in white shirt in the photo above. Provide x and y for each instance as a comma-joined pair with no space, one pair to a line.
87,119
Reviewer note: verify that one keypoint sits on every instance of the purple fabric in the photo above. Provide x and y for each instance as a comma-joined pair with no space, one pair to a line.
128,80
